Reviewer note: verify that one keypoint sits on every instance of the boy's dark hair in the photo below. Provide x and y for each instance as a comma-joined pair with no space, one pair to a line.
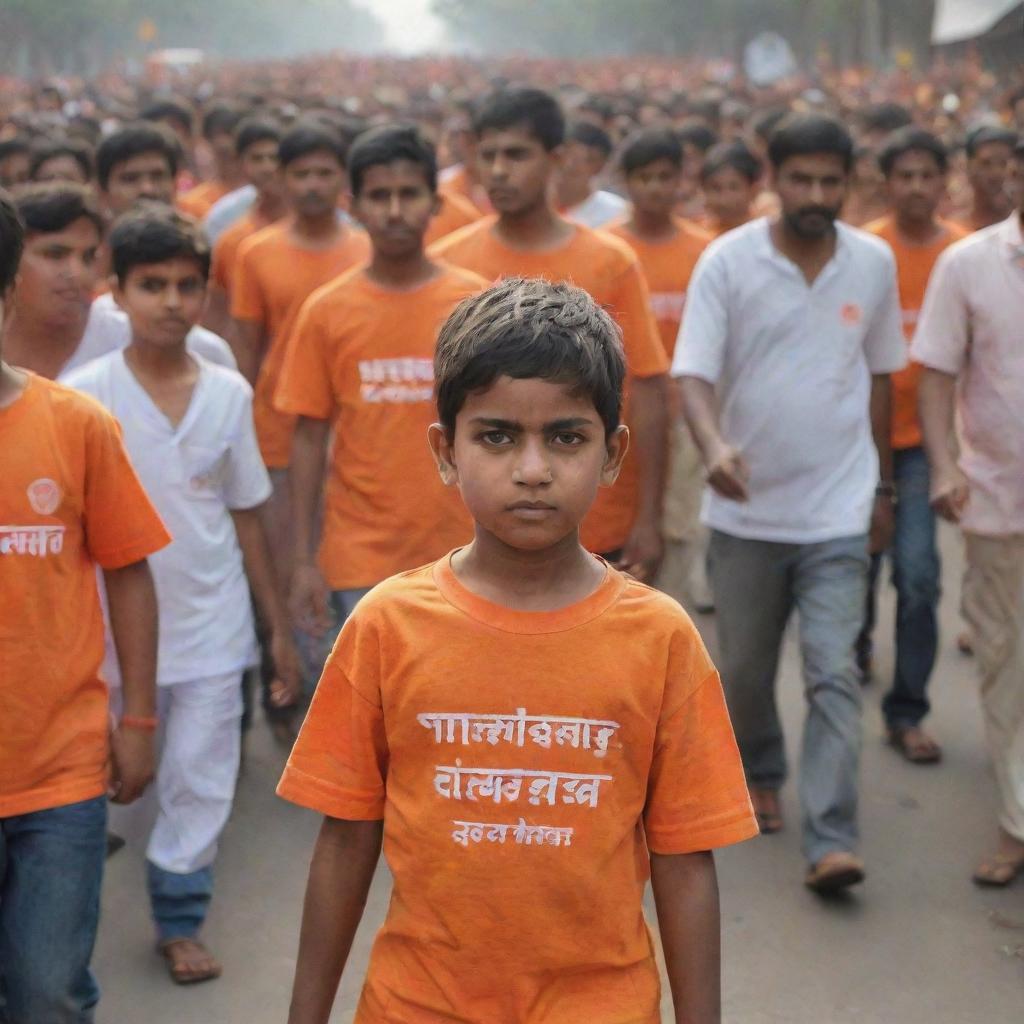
884,118
1018,150
171,108
912,140
221,119
78,149
697,133
807,134
48,207
133,140
386,144
737,155
986,134
764,123
14,146
253,130
311,137
12,242
645,146
156,234
522,106
523,328
589,134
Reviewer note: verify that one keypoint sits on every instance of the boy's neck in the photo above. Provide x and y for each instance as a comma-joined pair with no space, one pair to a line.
320,231
157,360
12,384
402,273
652,227
41,347
917,231
269,206
571,195
537,581
537,228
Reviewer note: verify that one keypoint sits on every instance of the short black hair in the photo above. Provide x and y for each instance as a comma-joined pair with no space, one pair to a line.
221,119
14,146
133,140
912,140
1018,150
171,108
529,327
12,242
155,234
78,149
256,129
737,155
646,145
588,134
48,207
536,110
384,145
885,117
764,123
697,133
806,134
985,135
310,136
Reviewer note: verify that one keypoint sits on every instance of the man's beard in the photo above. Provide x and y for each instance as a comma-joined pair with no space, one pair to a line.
812,221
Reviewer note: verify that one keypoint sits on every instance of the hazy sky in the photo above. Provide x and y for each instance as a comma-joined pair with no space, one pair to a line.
410,24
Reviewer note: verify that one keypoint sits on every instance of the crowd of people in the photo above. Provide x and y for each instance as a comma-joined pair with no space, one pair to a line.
673,338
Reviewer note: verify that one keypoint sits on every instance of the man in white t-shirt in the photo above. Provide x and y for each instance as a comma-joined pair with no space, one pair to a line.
790,333
585,153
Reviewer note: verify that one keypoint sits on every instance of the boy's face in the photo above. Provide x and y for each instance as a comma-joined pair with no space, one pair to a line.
515,169
58,272
528,457
580,164
988,170
259,165
916,185
653,188
395,205
62,167
164,301
14,169
728,195
811,188
146,176
313,183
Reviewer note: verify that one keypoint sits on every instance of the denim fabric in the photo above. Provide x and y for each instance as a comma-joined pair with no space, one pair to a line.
179,901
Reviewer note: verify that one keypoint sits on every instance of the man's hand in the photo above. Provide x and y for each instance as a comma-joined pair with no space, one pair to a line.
641,554
286,688
728,472
883,523
950,493
132,763
309,601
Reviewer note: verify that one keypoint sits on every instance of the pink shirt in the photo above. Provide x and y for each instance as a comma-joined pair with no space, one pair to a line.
972,327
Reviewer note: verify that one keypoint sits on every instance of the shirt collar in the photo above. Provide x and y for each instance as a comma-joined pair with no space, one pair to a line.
1010,233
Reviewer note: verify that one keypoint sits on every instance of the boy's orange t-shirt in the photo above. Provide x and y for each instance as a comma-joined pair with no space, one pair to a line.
225,249
198,201
273,277
69,501
455,212
914,265
668,266
524,764
458,183
609,270
362,356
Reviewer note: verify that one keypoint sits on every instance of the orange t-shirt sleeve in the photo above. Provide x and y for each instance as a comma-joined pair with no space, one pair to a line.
339,763
697,795
121,525
247,301
631,307
304,384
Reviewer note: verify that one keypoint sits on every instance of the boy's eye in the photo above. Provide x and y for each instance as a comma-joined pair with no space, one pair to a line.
496,438
569,438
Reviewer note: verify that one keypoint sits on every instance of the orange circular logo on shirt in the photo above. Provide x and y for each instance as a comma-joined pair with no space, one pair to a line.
44,496
851,314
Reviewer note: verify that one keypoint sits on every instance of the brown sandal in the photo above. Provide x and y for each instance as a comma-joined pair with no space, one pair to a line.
767,810
915,744
189,961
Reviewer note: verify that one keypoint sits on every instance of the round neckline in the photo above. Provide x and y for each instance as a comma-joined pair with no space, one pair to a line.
16,409
514,620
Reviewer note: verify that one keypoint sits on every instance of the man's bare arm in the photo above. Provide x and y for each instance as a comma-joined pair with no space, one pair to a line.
309,594
248,339
936,406
882,517
727,470
344,860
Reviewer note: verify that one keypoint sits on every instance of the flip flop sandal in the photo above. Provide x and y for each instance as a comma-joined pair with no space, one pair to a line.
180,970
998,872
925,751
769,824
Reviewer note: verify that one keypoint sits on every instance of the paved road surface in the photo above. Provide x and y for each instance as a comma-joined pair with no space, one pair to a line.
918,944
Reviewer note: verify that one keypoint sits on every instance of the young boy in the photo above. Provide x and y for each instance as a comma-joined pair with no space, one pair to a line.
358,372
731,179
69,502
188,428
138,161
531,731
520,132
587,149
218,128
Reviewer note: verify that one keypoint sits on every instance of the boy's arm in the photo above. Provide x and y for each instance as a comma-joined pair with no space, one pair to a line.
252,539
686,896
248,339
936,409
309,594
344,860
131,598
883,515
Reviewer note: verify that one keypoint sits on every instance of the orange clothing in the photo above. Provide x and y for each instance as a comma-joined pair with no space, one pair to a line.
363,356
455,212
197,202
273,277
913,268
608,269
69,501
225,249
525,764
668,266
457,182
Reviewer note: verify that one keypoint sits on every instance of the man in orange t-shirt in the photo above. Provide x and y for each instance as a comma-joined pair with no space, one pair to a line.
69,502
219,124
358,369
453,212
914,163
530,732
519,133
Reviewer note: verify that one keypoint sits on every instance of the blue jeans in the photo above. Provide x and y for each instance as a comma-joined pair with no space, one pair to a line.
51,869
757,586
179,901
915,575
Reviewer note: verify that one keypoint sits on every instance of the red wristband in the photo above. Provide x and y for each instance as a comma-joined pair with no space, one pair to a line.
139,722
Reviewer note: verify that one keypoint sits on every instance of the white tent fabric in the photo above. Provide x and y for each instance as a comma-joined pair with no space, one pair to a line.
959,20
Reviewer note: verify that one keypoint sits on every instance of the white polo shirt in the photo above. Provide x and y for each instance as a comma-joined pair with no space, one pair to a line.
194,474
792,364
599,209
972,327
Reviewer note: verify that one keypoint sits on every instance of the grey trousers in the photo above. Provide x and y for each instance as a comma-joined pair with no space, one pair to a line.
757,585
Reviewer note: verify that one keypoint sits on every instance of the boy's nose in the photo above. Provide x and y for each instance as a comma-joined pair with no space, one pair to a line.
533,468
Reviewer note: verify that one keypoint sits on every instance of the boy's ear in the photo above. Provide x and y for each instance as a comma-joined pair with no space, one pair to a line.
116,291
442,448
437,203
617,445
